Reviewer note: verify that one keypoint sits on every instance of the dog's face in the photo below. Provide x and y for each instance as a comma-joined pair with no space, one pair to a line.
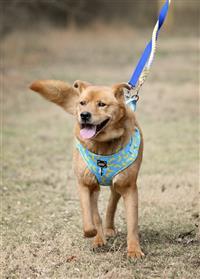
98,109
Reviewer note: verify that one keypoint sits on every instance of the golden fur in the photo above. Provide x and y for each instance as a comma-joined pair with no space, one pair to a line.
83,96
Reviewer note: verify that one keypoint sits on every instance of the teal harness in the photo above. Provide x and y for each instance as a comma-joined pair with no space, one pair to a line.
106,167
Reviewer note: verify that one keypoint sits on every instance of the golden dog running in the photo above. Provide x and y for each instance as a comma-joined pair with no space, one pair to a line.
104,126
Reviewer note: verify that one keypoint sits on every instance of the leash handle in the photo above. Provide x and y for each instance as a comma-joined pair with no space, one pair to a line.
142,69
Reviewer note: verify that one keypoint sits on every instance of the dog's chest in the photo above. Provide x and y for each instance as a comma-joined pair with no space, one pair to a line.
105,168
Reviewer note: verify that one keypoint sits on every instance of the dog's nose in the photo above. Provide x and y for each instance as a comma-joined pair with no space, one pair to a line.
85,116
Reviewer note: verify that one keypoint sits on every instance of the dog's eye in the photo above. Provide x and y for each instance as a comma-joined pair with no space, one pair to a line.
82,103
101,104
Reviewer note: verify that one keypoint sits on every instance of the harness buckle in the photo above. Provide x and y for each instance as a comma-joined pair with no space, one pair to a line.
102,164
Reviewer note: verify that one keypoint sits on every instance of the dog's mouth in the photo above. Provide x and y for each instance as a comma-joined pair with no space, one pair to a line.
89,131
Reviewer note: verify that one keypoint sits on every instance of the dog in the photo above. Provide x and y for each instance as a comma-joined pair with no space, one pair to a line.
105,130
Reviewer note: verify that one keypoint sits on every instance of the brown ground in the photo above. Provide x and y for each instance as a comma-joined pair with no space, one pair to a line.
41,223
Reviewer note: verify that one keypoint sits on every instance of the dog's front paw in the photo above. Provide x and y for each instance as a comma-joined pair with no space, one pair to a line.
90,233
98,241
109,232
135,253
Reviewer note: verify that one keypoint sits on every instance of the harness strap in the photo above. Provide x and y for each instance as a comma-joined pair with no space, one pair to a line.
105,167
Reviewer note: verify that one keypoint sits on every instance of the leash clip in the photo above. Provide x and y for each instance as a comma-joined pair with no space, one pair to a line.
132,99
135,97
132,92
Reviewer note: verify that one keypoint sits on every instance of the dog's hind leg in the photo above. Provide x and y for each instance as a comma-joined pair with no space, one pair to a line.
99,239
86,205
110,213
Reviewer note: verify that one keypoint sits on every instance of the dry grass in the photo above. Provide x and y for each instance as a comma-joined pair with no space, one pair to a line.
41,223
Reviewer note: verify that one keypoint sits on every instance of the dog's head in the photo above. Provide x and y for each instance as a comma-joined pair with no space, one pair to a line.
99,110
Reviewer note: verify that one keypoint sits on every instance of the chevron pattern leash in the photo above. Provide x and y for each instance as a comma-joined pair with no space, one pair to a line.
144,64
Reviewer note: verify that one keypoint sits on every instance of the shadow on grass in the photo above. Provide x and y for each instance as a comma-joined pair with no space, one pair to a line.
150,237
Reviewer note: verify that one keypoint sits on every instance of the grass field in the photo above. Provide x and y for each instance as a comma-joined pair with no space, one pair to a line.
41,223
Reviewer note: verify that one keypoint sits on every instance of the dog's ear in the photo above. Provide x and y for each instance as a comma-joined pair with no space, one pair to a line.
58,92
81,85
118,90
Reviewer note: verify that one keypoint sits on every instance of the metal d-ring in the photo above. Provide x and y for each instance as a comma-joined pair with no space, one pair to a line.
135,97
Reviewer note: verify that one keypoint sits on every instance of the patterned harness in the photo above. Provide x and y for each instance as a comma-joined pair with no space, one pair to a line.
106,167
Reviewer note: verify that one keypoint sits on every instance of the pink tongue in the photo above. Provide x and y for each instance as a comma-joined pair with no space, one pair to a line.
87,133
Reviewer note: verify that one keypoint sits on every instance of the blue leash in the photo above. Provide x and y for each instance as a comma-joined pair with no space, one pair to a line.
144,60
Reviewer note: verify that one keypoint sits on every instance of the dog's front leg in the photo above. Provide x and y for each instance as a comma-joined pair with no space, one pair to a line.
86,205
130,196
110,213
99,239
